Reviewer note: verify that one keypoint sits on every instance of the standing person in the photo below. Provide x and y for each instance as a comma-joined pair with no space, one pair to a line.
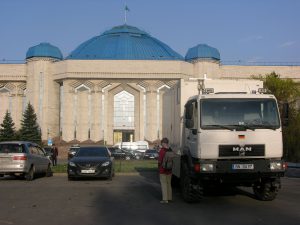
54,155
165,172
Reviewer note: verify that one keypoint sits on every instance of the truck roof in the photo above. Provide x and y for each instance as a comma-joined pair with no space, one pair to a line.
233,96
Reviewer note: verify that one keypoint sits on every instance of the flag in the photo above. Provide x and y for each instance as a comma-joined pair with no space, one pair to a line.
126,8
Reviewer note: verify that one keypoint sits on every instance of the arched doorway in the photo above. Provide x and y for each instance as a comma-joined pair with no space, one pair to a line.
123,117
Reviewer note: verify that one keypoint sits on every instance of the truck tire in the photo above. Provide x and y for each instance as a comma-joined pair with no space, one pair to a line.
265,191
190,192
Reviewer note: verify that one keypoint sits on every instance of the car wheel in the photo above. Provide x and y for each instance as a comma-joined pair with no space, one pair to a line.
30,175
49,172
1,175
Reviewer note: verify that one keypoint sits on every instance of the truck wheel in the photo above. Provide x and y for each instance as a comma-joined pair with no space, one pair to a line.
190,192
265,191
30,175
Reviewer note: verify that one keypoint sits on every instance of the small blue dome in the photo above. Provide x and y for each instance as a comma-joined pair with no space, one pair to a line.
124,43
44,50
202,51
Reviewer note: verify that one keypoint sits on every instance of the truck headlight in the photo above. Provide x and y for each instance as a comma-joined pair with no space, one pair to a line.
207,167
276,166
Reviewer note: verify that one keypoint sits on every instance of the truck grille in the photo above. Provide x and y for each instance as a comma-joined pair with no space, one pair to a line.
237,150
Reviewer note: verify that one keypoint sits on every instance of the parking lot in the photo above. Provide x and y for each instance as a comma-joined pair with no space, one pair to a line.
134,199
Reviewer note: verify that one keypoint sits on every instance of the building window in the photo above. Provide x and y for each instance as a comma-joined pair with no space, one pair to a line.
123,110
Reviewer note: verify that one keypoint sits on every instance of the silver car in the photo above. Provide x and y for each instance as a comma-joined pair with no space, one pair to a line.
24,159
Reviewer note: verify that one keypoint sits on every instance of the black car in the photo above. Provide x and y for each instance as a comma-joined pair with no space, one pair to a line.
121,154
72,151
151,154
91,161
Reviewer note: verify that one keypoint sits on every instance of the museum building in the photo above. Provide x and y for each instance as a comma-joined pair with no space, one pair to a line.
109,89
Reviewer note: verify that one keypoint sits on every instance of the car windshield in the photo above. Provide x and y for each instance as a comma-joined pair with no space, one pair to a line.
239,113
92,152
11,148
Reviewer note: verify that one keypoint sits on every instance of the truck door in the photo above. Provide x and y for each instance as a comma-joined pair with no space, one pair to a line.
191,125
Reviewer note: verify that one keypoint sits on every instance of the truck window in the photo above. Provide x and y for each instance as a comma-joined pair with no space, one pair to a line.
191,115
257,113
189,111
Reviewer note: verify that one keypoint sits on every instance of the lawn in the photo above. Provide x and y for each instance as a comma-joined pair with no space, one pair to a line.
121,166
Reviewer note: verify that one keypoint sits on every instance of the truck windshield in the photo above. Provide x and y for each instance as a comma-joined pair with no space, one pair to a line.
241,114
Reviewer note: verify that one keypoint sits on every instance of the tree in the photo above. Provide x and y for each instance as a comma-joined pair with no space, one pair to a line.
287,91
7,128
30,130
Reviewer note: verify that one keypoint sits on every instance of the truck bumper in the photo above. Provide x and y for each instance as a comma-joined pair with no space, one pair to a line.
239,172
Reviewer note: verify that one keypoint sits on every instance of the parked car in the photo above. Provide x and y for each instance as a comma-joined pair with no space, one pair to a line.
72,151
91,161
23,159
151,154
138,148
136,154
121,154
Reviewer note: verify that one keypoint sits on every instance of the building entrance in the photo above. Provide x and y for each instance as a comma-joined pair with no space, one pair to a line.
123,136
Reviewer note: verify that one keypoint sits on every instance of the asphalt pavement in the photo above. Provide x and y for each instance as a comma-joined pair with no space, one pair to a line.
134,199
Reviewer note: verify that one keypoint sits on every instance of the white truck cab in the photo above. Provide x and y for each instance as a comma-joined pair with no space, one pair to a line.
227,133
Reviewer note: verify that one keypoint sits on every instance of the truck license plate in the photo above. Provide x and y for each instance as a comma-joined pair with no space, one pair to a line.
242,166
87,171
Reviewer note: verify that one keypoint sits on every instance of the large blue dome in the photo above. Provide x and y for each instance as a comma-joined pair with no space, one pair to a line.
202,51
44,50
124,43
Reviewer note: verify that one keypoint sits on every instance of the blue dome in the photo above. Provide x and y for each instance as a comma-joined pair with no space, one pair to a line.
202,51
44,50
124,43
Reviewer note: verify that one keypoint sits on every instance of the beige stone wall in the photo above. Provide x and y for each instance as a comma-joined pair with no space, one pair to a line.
83,110
43,93
292,72
121,69
11,100
12,72
12,86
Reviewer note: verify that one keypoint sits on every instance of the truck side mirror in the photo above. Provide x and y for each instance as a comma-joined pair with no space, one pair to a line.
189,124
285,114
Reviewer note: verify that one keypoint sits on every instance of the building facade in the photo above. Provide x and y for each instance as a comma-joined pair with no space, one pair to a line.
110,88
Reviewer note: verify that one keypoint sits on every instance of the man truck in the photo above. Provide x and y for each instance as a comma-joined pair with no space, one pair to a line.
224,133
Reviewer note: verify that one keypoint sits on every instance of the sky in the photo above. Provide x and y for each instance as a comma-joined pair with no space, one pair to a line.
242,30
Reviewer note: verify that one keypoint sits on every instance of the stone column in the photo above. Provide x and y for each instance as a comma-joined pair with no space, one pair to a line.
67,113
151,113
106,117
96,123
